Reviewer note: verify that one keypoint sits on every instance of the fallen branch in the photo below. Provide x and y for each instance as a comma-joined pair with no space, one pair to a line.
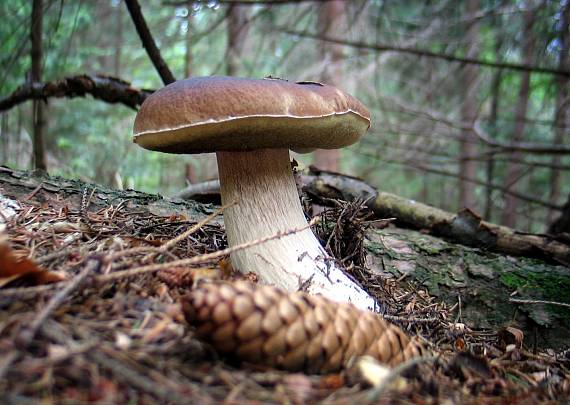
104,88
519,301
152,268
464,227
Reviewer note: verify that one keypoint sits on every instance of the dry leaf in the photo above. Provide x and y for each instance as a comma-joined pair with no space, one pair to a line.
510,336
8,208
332,382
465,364
21,271
460,344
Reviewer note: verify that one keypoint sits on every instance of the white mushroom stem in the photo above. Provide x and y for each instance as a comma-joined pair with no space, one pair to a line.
263,184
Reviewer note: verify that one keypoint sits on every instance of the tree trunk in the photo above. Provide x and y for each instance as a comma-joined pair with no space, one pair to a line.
36,76
4,138
468,144
188,42
331,23
561,121
118,41
237,33
514,169
493,116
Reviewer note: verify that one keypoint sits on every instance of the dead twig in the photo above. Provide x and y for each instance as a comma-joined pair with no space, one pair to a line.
28,334
166,246
521,301
201,258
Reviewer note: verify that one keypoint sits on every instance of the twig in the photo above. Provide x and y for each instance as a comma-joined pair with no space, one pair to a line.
521,301
430,54
6,361
32,291
148,41
410,320
64,250
125,373
172,242
27,335
22,292
201,258
528,147
195,228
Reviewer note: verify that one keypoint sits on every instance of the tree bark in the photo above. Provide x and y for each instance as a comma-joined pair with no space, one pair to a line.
515,170
482,282
493,116
118,41
36,76
463,227
108,89
468,144
188,42
331,22
238,21
561,122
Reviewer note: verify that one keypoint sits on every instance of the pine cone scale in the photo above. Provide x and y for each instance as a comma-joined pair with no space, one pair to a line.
296,332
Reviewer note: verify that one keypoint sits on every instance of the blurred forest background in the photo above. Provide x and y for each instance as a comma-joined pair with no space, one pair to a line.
469,99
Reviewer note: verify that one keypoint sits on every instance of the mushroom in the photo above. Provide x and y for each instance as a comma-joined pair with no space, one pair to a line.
251,124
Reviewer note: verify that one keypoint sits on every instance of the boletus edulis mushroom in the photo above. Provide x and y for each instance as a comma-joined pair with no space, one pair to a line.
252,124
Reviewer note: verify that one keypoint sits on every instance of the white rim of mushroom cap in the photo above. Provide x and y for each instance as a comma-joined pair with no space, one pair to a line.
209,114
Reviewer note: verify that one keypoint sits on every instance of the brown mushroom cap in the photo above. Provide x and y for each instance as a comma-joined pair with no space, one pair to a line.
208,114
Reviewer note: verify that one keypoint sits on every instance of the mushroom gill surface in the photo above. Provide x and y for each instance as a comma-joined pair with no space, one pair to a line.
295,332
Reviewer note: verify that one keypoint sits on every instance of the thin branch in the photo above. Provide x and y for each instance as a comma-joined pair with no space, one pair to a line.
529,147
28,334
153,268
522,197
521,301
430,54
535,148
184,3
105,88
148,42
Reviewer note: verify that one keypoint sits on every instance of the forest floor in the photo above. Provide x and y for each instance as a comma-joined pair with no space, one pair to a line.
113,331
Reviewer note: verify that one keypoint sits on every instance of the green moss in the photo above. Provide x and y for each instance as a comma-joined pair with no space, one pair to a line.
539,284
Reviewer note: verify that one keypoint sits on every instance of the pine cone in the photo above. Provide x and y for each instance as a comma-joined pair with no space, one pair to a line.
296,332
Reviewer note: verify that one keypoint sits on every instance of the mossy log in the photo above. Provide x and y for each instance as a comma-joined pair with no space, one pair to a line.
481,282
464,227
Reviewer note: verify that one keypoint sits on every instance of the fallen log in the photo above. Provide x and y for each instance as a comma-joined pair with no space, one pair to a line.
479,284
464,227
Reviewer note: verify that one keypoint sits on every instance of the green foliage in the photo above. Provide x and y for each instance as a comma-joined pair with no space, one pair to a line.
411,97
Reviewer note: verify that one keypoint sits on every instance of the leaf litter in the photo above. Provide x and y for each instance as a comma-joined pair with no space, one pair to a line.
113,332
